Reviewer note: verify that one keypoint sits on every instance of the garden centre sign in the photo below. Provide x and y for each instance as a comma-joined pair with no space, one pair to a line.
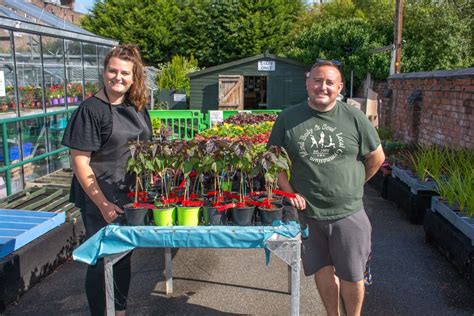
266,65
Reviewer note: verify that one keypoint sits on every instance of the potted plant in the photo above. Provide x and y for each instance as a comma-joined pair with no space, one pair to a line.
164,214
274,161
450,224
243,161
185,157
138,163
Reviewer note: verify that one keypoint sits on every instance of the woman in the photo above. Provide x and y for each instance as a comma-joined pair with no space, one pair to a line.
97,135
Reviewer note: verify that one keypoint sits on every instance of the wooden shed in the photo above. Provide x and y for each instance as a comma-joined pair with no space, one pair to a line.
263,81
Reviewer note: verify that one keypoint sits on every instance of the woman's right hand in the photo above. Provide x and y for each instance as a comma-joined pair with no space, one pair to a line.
110,211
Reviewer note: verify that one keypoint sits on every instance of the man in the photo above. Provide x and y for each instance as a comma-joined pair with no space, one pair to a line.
328,180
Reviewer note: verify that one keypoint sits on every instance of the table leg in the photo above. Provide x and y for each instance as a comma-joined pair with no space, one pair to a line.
295,283
168,271
109,262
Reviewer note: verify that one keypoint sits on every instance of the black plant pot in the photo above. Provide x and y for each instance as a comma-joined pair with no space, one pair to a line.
242,216
269,215
452,243
418,204
213,217
135,216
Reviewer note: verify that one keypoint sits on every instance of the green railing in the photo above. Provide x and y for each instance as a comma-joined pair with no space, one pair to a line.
48,127
183,123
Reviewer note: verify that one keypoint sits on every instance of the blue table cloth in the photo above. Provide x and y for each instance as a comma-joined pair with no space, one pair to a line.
114,239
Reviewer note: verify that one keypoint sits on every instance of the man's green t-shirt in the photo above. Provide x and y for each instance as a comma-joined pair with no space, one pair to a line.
326,151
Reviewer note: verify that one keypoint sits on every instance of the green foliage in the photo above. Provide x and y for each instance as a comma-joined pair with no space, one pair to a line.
346,40
436,36
456,184
213,31
173,75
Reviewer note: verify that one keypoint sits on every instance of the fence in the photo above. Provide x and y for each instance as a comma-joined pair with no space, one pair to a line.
29,139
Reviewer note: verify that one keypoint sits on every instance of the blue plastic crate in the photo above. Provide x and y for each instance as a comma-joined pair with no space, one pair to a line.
14,154
19,227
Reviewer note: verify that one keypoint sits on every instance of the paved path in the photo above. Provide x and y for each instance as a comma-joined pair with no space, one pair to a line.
410,278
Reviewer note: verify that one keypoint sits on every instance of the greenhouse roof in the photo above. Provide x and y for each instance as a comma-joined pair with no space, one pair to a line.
41,16
11,14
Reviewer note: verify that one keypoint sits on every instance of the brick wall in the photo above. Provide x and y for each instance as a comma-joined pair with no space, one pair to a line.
62,11
430,107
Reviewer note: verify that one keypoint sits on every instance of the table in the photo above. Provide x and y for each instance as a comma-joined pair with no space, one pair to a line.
113,242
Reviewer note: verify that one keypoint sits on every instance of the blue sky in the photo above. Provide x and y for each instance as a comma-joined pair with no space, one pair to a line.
83,5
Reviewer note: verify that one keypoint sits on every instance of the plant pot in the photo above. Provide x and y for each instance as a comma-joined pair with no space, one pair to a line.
135,215
164,216
242,216
268,215
188,216
212,217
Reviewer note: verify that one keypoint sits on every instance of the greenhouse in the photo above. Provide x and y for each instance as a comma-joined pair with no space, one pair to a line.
45,73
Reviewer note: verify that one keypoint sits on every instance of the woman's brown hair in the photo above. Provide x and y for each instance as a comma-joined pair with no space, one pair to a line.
137,94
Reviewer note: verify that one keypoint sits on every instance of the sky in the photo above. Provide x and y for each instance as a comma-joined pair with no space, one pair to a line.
83,5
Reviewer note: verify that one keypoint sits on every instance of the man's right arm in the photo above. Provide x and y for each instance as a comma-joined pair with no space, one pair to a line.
299,202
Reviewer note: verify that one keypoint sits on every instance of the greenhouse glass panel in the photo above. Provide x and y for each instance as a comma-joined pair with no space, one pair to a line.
73,72
53,58
91,70
40,168
60,161
7,76
56,126
28,71
102,50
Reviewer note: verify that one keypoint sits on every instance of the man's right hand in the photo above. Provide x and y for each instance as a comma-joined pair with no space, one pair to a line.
299,202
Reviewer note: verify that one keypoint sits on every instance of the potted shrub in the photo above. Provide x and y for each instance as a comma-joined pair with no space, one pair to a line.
138,163
274,161
185,157
164,214
450,224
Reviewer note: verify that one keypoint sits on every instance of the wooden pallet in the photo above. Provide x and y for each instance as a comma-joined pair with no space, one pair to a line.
48,199
60,178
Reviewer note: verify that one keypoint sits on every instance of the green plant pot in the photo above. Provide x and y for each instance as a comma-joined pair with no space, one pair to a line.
188,216
164,216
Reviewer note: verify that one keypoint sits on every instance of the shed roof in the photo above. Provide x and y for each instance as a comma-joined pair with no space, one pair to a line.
244,61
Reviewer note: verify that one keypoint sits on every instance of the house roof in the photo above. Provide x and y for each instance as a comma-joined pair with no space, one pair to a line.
244,61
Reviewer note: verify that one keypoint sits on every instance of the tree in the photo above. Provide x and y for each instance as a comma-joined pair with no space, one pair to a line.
173,75
436,36
214,32
345,40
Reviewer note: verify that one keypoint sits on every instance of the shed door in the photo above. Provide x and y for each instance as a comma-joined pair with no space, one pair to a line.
231,92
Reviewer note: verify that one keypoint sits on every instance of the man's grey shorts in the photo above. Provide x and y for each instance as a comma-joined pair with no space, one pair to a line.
343,243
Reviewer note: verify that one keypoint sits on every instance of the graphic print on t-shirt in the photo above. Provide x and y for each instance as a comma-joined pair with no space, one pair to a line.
321,144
